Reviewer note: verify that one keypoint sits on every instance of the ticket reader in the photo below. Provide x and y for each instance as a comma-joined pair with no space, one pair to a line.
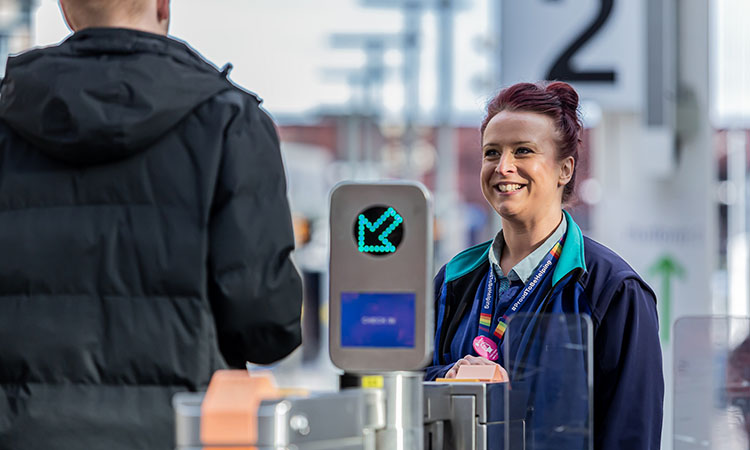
381,305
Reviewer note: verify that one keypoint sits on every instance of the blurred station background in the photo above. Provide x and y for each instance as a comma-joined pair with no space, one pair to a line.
395,89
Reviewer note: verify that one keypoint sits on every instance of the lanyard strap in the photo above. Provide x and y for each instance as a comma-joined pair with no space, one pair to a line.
485,316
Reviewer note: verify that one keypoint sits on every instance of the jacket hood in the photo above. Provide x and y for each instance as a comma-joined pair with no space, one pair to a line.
104,94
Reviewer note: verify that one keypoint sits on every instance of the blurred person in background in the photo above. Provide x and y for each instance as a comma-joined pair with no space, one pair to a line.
145,235
540,263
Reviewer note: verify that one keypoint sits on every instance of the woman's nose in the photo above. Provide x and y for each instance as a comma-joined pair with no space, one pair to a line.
506,164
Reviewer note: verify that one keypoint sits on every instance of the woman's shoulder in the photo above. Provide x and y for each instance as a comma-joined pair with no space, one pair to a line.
600,258
608,273
612,287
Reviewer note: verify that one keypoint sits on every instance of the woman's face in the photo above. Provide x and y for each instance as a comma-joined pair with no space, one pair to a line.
521,176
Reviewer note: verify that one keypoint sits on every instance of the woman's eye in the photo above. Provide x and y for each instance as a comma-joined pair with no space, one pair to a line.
523,150
490,152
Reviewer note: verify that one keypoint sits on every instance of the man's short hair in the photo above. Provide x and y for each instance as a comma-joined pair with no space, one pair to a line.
96,10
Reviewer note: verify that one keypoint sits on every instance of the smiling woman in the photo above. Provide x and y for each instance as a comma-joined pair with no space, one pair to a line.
540,263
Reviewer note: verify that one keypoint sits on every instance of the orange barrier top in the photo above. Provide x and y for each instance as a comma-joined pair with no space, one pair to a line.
229,409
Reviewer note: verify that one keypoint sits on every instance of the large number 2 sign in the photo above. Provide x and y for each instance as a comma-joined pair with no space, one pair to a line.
562,70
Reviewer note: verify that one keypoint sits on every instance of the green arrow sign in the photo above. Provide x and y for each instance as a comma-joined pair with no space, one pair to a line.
666,267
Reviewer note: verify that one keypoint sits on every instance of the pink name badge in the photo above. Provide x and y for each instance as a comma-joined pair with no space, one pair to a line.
486,347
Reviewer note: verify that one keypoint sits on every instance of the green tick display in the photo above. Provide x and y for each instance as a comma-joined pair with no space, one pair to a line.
378,230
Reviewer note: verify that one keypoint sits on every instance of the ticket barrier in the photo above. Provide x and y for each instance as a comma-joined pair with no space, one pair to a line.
456,416
381,327
460,416
544,407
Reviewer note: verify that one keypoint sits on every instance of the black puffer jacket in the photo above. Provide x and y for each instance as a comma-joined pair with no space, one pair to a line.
144,239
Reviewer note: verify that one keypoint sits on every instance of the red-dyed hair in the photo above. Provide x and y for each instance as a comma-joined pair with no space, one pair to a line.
557,100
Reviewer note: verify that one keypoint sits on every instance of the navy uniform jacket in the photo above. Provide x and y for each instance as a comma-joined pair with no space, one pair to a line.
589,279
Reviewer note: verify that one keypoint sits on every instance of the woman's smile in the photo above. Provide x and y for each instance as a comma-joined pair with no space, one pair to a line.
508,188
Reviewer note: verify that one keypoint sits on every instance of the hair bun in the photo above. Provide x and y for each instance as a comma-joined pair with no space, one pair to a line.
565,93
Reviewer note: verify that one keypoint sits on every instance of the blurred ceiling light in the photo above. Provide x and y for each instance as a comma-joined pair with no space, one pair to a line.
590,191
423,157
591,113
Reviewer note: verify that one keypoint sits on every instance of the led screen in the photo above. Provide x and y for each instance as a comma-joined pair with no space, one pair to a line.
378,319
378,230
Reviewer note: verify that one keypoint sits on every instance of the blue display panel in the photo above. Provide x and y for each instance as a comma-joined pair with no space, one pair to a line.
378,319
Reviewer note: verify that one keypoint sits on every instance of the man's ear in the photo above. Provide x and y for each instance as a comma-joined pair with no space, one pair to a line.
567,168
163,12
71,24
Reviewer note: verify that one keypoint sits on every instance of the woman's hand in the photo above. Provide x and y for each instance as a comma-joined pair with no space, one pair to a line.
474,361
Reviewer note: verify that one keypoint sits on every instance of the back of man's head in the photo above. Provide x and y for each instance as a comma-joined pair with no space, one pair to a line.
144,15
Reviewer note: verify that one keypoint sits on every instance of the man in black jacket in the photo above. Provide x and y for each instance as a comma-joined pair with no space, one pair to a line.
144,232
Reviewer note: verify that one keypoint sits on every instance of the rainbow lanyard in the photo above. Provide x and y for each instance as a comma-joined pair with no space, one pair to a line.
485,316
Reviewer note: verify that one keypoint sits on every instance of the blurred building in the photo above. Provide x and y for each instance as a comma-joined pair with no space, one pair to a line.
331,133
15,27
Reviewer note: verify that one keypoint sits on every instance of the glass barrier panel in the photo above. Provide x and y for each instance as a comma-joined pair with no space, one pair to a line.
549,360
711,383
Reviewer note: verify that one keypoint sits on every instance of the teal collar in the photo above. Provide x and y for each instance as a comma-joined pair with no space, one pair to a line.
467,260
571,258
